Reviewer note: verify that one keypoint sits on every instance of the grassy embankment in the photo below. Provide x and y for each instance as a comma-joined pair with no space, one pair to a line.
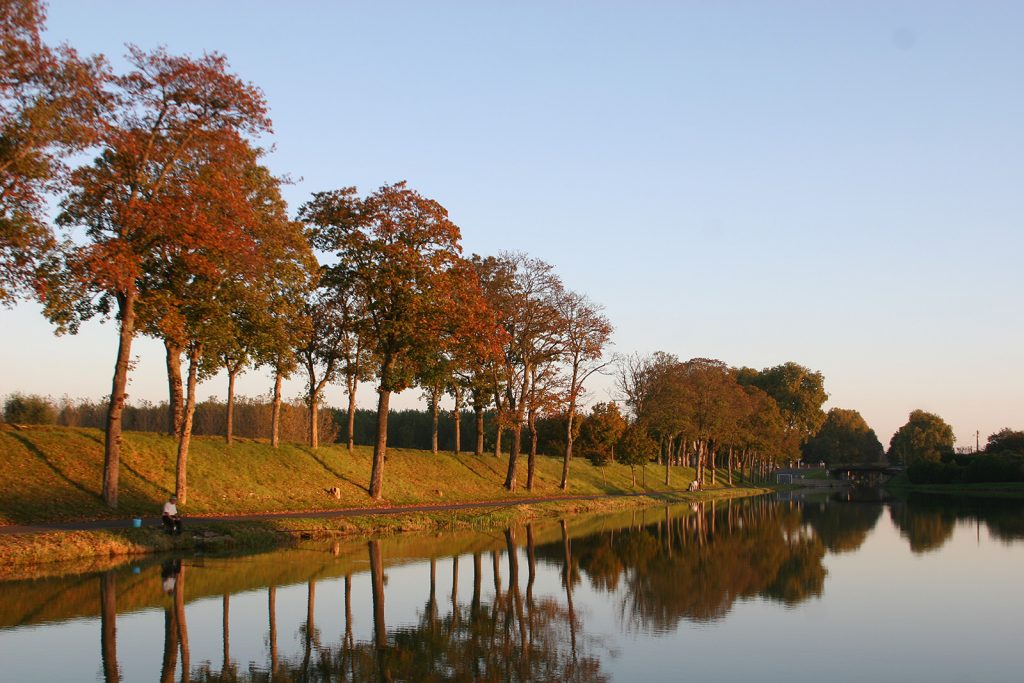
902,484
52,474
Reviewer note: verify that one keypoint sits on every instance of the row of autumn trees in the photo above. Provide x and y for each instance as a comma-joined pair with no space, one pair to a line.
705,414
177,230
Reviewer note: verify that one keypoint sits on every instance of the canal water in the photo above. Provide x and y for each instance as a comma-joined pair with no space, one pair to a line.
847,588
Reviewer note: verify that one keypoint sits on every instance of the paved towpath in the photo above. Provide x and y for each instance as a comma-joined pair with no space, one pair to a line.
88,525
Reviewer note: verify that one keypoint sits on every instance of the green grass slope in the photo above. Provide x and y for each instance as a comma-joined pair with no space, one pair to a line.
52,474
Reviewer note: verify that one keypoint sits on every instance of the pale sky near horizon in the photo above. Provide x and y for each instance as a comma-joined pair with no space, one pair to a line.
832,183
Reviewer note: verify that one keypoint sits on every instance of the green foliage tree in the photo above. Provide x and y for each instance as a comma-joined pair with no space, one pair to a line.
762,429
635,447
799,392
320,348
29,409
601,431
844,438
925,437
1006,440
704,412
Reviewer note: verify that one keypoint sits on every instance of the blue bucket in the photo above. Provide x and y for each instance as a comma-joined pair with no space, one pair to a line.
136,522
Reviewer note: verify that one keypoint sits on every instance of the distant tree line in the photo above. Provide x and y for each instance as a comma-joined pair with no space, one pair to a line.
410,428
252,418
707,415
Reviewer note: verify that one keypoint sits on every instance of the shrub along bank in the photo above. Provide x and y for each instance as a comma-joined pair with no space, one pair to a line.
968,469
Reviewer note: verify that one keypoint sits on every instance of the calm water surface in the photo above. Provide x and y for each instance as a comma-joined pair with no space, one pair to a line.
799,590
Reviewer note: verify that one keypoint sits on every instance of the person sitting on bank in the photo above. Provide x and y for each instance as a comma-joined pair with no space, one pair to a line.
171,519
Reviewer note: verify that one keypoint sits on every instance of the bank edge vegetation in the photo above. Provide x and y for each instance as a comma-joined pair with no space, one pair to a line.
177,231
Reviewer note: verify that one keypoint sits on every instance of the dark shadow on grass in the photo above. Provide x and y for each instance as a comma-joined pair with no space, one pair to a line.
311,453
464,462
92,438
129,468
34,450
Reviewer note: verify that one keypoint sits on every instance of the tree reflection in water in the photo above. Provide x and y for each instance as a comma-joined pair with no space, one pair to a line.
927,521
691,566
666,566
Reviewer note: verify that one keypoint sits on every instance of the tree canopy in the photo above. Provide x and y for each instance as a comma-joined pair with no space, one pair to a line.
925,437
400,252
844,438
1006,440
51,104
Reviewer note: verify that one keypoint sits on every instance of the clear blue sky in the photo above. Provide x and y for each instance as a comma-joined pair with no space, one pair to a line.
833,183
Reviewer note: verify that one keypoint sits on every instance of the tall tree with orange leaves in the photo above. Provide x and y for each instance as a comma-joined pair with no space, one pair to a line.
51,102
138,197
215,297
524,292
400,252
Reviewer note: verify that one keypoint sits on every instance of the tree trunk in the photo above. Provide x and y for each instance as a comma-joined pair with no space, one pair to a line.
714,468
435,416
112,444
314,427
478,408
457,415
380,448
531,462
351,385
729,465
175,392
275,413
497,440
513,458
181,486
108,627
668,472
517,429
230,417
570,418
701,454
